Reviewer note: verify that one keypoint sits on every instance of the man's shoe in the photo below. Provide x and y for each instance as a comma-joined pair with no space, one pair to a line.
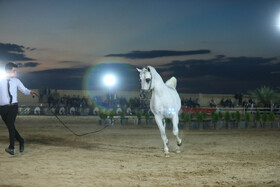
21,147
10,151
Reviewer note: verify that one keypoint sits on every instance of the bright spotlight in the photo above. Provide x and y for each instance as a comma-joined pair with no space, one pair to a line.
109,80
3,74
278,21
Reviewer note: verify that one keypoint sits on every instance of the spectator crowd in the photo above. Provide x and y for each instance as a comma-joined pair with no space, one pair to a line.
54,99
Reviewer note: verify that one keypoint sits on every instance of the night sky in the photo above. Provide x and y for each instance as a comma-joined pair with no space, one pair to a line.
213,46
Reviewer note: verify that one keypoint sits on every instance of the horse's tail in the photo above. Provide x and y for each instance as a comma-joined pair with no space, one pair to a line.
172,82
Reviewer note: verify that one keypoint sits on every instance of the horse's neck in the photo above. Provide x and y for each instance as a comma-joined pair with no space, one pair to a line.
159,85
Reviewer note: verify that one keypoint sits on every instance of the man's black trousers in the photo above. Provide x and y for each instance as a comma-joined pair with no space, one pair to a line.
9,114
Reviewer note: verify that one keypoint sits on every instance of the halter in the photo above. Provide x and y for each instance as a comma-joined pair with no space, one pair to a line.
147,68
149,89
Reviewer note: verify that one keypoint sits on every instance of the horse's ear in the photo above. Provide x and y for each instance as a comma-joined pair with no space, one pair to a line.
139,70
149,69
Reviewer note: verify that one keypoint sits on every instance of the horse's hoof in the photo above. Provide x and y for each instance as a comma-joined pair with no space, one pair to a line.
179,144
166,155
178,151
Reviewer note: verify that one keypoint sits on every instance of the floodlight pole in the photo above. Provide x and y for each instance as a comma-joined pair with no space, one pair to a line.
110,97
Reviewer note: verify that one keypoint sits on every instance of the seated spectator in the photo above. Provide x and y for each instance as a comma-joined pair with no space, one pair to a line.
196,103
212,103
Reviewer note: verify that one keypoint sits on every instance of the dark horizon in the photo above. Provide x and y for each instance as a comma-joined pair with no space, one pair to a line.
209,46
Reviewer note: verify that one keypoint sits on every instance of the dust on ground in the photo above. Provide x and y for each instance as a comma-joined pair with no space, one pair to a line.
132,155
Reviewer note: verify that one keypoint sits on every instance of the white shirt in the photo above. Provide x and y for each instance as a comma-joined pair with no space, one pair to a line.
15,84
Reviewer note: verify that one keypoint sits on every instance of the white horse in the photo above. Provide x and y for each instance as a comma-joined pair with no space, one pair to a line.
165,102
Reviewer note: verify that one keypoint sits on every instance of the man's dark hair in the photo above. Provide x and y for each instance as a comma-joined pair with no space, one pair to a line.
10,66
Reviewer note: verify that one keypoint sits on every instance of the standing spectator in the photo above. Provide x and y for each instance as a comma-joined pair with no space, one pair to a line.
84,102
50,100
47,92
56,98
41,94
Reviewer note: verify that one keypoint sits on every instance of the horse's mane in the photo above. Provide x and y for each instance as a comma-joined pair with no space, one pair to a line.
172,82
155,74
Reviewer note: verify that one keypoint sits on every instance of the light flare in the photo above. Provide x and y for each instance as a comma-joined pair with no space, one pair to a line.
3,74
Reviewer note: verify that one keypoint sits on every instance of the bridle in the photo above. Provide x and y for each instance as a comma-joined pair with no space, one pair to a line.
143,92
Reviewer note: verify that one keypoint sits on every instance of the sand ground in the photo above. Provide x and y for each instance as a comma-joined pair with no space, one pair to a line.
133,156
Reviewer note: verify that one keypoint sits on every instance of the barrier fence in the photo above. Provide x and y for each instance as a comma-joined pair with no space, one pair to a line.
83,111
207,123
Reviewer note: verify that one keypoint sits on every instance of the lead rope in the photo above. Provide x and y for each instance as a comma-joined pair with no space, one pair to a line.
92,132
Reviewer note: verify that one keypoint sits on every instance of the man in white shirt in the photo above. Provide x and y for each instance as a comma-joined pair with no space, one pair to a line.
9,104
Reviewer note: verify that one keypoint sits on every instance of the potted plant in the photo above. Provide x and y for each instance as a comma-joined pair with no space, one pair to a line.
271,118
247,119
124,120
232,122
182,122
187,119
199,119
111,117
220,119
215,119
138,117
263,120
168,123
238,119
227,120
103,116
149,120
257,119
205,121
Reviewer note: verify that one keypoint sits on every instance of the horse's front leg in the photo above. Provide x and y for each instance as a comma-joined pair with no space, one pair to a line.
163,135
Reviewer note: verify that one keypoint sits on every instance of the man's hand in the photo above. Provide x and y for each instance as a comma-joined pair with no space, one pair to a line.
33,93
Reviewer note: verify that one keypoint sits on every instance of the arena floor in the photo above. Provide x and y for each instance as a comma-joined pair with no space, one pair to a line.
133,156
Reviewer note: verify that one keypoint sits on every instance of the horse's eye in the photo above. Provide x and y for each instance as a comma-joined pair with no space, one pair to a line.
148,80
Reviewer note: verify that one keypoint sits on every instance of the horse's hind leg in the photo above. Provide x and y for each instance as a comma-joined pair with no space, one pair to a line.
175,121
162,133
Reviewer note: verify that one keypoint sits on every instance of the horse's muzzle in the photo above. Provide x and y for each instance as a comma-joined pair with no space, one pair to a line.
143,94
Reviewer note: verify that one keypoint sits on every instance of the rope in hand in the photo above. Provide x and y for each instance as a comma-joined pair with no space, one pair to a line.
92,132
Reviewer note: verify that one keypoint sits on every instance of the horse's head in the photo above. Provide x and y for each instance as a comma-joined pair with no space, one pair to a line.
146,80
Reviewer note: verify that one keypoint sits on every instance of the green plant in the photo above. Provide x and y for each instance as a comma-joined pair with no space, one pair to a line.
257,116
188,117
199,117
227,117
167,120
103,115
271,117
139,114
237,116
122,114
232,116
182,116
204,115
111,114
214,117
265,95
247,117
220,115
264,117
147,115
